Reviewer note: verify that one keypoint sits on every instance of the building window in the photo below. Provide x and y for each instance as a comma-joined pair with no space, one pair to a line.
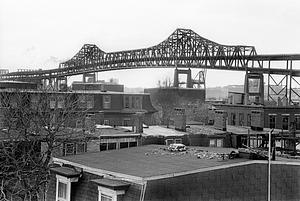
248,119
169,141
212,142
219,142
63,188
272,121
105,197
106,194
60,102
126,102
81,101
124,145
297,122
80,147
241,119
106,101
69,149
232,118
34,101
106,122
126,122
62,191
103,146
52,102
90,101
112,146
133,102
285,122
132,144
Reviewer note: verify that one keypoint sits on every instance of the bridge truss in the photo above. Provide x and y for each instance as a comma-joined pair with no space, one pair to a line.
182,49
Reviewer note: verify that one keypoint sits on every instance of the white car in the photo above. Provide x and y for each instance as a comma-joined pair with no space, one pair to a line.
177,147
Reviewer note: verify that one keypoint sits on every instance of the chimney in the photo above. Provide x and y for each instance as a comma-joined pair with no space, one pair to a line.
180,119
138,122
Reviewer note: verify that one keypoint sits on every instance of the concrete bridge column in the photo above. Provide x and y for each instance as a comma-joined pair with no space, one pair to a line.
176,82
254,87
189,81
88,77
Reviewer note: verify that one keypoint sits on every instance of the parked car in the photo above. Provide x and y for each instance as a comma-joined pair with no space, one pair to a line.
177,147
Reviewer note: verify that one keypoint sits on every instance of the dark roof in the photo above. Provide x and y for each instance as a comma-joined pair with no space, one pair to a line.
66,171
146,161
112,183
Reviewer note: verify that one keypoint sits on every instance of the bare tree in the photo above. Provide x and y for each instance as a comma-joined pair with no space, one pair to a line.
30,120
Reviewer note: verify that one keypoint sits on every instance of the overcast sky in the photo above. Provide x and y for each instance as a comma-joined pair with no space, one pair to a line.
40,34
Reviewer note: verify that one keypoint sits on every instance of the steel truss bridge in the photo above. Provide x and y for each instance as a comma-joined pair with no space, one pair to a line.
182,49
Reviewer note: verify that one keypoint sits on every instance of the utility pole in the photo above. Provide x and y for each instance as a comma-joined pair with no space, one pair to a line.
269,166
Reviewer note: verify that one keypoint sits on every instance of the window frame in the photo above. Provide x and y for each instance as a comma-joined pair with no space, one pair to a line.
66,153
297,121
272,115
64,180
109,192
285,125
106,122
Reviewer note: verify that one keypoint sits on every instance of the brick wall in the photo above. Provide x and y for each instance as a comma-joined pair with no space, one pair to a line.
241,183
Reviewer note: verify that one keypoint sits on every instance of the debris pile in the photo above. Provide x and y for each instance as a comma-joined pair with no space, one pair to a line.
195,152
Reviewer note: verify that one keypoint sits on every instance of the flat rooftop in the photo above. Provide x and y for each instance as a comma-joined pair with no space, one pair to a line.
243,130
150,161
205,129
161,131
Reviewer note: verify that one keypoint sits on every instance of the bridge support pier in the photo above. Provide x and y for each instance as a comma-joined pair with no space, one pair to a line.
88,77
55,83
254,88
188,72
199,81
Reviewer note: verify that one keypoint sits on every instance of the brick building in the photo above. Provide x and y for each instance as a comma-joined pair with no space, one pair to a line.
109,108
250,122
260,116
146,173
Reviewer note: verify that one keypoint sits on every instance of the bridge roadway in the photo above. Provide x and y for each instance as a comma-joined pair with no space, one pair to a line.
89,68
183,49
